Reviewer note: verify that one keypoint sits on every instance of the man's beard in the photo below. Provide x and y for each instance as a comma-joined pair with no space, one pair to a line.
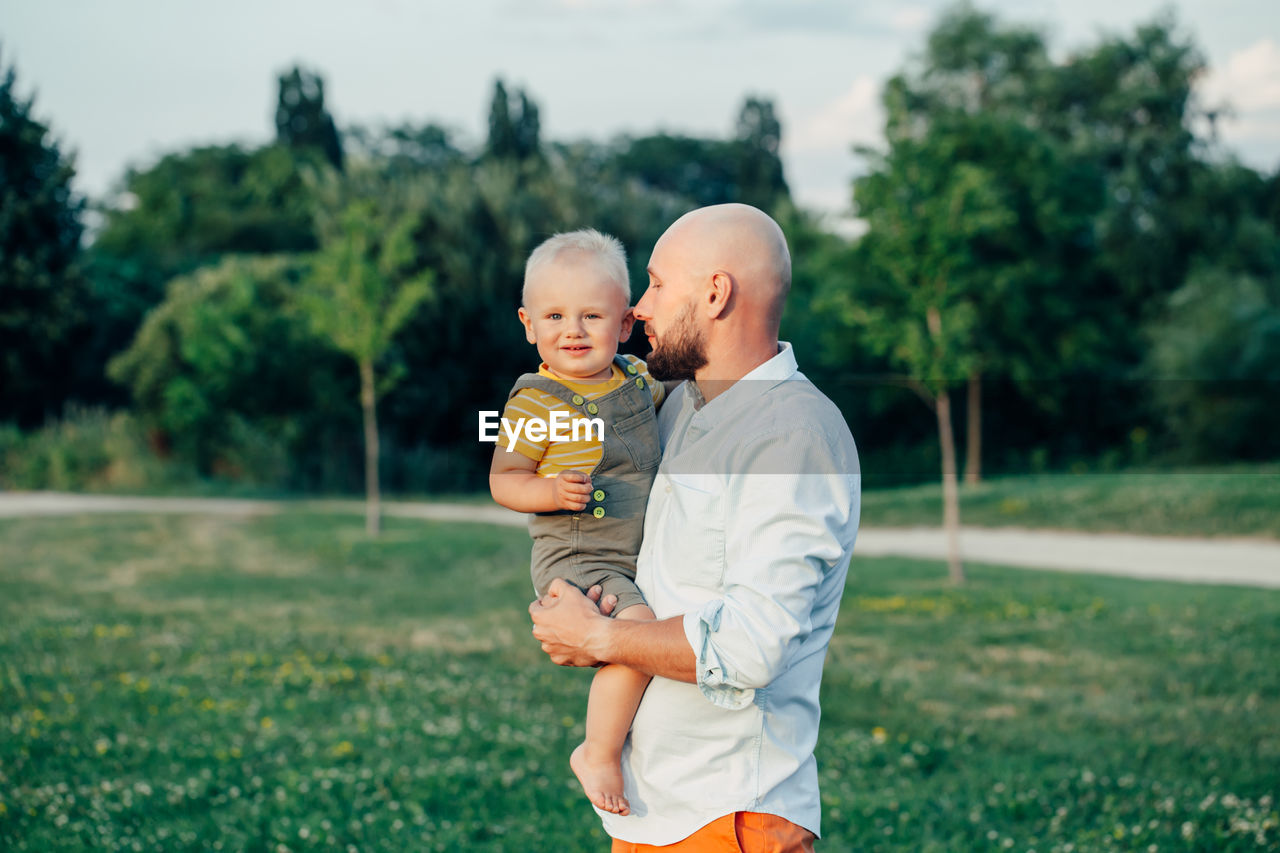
683,350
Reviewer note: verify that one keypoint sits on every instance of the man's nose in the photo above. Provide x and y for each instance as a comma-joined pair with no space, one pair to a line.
641,310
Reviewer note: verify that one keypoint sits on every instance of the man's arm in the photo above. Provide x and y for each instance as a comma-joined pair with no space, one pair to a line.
573,633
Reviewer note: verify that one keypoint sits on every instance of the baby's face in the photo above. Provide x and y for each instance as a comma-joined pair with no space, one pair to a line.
577,316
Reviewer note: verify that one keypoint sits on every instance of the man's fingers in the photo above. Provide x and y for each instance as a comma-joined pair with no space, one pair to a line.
559,587
595,592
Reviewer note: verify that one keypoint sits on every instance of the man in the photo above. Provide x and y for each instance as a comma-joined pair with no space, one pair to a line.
747,539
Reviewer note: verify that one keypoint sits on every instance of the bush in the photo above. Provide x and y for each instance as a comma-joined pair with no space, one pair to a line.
1215,366
230,377
88,450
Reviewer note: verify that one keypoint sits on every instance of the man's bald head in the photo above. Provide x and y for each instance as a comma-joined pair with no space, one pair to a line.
742,241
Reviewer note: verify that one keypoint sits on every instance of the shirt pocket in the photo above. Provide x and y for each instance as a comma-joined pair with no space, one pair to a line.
639,434
695,527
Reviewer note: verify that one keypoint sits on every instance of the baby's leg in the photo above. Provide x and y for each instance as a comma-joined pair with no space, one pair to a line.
615,695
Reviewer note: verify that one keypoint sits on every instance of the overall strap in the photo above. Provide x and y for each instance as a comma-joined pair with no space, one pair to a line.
567,395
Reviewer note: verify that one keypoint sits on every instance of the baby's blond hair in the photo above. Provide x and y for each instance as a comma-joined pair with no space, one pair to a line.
607,251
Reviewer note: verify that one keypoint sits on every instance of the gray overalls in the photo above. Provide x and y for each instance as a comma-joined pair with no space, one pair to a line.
599,544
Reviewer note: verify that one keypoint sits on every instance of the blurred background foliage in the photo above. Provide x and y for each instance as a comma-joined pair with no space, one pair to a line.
1056,246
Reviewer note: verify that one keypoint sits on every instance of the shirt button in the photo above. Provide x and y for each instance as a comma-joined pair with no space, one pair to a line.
598,512
631,368
598,494
668,490
592,408
577,399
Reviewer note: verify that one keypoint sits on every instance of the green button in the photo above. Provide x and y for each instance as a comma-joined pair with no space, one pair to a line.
598,495
598,512
577,399
592,408
639,381
631,368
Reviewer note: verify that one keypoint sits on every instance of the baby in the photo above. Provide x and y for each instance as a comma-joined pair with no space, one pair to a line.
589,492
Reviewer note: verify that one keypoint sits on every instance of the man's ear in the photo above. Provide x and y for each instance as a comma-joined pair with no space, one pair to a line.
527,321
628,323
718,293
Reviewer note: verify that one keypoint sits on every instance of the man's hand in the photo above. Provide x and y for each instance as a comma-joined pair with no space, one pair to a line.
573,489
569,625
606,603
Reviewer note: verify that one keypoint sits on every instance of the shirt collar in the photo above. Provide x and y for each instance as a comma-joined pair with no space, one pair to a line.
745,390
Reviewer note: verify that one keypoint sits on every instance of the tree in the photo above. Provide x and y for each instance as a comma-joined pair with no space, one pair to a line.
213,372
1126,106
302,122
1213,351
363,288
514,127
929,213
983,84
41,286
759,136
406,150
188,210
704,171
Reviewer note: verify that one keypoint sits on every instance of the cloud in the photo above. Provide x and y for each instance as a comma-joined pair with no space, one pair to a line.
1248,85
910,19
1249,81
817,147
870,18
854,117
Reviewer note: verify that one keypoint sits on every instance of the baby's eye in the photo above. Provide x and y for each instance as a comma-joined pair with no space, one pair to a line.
553,316
593,316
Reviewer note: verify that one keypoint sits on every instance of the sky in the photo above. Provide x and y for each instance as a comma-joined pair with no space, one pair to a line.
125,82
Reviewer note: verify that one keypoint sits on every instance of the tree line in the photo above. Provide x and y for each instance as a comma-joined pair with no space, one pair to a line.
1057,262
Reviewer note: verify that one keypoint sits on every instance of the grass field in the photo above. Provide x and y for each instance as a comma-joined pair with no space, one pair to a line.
1237,501
281,683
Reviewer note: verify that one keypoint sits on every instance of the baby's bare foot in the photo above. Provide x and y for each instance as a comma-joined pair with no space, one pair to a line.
601,780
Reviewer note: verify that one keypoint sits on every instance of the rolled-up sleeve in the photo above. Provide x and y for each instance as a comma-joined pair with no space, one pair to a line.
792,513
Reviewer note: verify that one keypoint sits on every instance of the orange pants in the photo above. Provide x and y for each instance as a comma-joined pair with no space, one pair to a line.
740,832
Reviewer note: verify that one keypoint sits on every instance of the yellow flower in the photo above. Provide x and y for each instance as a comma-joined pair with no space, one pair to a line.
879,734
266,722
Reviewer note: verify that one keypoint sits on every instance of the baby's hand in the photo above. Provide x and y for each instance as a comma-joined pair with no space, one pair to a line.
573,488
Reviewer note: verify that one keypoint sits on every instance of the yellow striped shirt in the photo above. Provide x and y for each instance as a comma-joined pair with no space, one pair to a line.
556,456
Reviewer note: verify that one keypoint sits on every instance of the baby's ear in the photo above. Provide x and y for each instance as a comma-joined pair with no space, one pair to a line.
526,320
628,322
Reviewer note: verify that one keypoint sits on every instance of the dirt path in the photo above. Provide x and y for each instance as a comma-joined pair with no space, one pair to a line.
1246,562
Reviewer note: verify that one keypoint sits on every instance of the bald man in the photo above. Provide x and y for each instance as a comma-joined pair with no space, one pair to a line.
747,540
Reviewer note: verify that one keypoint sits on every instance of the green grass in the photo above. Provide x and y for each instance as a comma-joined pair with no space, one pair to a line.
172,682
1238,501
